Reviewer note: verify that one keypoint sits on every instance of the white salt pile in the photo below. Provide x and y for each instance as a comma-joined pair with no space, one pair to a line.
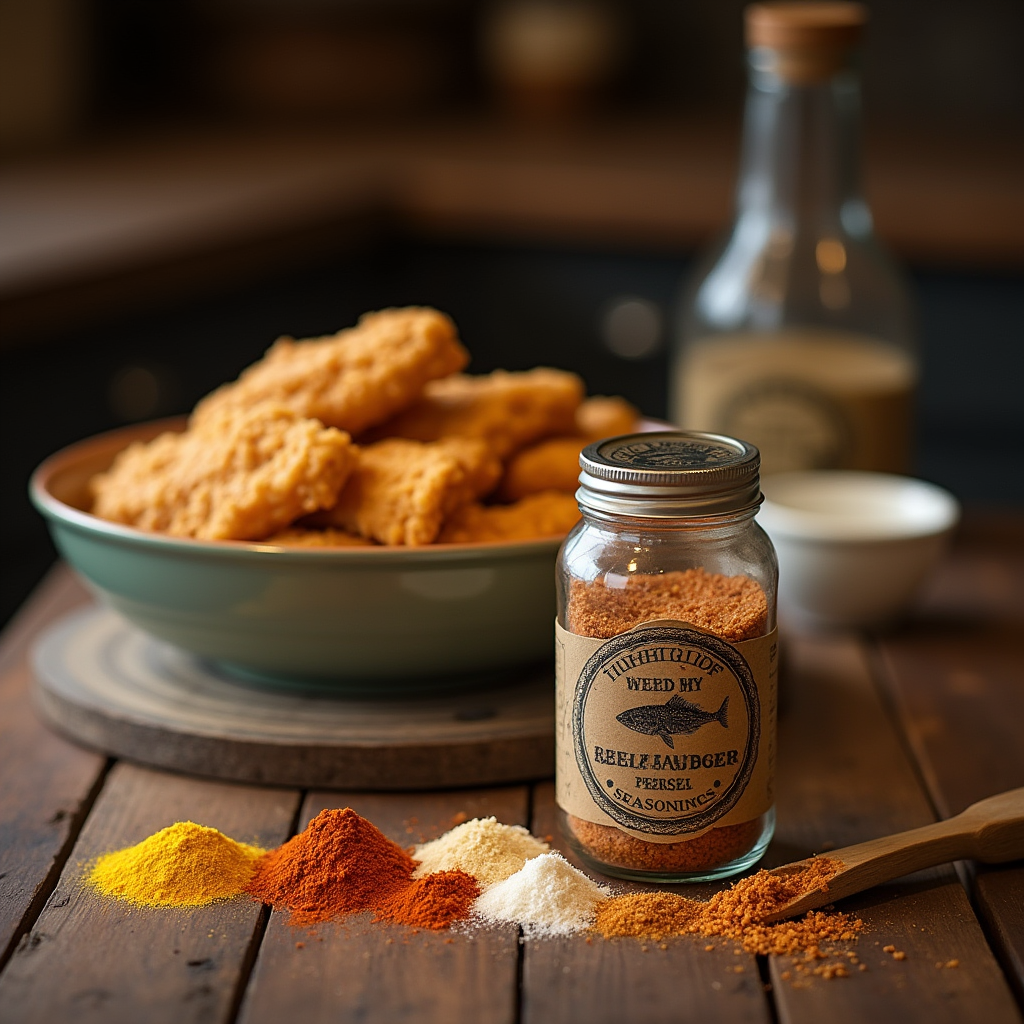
547,896
483,848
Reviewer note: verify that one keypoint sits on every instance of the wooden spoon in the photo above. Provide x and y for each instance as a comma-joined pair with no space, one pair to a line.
992,831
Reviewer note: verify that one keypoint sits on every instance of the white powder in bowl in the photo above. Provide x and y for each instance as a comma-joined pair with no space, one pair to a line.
483,848
547,896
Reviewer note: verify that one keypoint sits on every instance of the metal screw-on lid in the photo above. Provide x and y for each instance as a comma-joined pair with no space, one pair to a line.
669,475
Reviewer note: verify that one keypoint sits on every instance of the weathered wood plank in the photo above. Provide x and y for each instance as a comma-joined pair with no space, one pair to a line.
356,970
999,895
588,978
89,958
843,777
46,783
955,672
954,677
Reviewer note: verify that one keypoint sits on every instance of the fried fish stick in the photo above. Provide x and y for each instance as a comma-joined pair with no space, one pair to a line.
550,514
505,410
353,379
554,463
237,475
605,416
402,490
551,465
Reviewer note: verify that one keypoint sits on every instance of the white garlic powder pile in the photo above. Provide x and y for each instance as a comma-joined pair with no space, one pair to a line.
547,896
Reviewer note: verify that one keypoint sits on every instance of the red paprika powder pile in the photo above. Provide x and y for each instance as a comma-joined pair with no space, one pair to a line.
342,864
431,902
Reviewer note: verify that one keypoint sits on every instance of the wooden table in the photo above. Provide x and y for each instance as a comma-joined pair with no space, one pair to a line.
876,734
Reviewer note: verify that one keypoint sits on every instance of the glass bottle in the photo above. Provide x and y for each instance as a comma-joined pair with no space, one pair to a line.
665,660
796,334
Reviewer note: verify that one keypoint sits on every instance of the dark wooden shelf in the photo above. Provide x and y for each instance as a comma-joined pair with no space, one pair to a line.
109,225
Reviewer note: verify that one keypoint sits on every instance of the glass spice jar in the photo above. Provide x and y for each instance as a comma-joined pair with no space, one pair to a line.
666,660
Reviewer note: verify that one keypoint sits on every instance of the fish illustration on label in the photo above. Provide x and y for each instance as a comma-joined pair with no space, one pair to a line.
676,717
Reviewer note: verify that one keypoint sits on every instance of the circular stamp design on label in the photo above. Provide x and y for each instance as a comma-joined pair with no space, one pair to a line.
670,453
795,425
666,724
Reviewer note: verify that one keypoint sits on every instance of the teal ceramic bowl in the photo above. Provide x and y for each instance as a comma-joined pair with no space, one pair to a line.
360,620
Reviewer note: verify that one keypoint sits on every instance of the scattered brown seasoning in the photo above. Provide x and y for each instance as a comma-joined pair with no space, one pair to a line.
647,915
738,913
731,607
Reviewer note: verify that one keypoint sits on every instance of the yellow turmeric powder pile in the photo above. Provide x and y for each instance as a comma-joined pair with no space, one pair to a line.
183,865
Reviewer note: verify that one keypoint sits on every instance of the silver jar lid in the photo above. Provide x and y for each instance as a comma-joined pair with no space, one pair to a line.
669,475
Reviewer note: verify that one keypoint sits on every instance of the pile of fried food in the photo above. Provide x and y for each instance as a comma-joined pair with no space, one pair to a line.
369,436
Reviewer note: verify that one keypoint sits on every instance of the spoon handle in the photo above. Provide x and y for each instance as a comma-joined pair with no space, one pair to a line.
992,830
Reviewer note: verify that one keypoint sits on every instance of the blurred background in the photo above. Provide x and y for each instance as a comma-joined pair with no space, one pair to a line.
182,182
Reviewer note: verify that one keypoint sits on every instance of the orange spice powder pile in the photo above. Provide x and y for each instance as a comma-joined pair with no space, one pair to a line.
342,864
738,913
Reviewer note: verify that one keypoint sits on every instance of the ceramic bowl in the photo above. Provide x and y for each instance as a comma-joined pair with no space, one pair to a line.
853,547
361,620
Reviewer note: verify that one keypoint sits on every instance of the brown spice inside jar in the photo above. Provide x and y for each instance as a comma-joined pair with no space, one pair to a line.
715,847
731,607
738,913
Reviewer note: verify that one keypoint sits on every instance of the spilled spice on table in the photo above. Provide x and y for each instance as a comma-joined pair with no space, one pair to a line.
343,864
738,913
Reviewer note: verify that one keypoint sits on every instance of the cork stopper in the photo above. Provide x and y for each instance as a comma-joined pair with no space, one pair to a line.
810,41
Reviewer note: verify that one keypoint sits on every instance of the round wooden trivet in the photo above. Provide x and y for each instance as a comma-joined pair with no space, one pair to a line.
110,686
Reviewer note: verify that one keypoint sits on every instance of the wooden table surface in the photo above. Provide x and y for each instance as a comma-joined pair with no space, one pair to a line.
877,734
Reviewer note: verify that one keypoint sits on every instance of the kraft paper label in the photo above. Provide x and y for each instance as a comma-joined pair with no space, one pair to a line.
666,730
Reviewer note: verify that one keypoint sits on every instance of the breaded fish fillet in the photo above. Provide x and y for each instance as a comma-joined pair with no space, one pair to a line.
402,490
605,416
353,379
506,410
237,475
554,463
550,514
551,465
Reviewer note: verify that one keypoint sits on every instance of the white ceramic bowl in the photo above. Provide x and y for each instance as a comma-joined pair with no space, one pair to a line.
853,547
